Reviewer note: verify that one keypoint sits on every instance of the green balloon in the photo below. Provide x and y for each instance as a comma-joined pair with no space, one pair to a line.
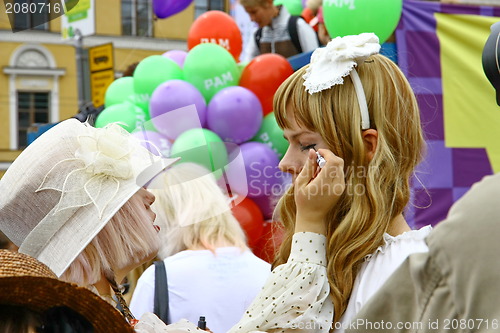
128,115
294,7
203,147
272,135
210,68
119,91
241,66
142,101
351,17
153,71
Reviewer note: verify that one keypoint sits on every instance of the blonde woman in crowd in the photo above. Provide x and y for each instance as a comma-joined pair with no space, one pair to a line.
209,268
343,216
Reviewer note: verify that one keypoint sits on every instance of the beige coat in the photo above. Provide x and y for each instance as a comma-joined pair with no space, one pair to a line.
455,287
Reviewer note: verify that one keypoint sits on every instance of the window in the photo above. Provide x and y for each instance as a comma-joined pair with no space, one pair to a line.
137,18
202,6
32,108
35,19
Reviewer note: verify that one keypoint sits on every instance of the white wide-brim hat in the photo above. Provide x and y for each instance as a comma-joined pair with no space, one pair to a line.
65,186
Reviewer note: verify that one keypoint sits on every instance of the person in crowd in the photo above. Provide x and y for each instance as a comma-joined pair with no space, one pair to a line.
32,299
278,31
323,35
453,287
317,22
354,132
310,11
74,199
129,71
210,270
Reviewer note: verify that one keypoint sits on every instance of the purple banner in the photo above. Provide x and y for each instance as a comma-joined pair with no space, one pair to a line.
447,173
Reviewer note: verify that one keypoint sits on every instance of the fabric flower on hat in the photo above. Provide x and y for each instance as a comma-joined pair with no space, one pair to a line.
93,176
329,65
106,151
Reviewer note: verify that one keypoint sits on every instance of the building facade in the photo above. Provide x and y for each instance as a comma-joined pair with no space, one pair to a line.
38,68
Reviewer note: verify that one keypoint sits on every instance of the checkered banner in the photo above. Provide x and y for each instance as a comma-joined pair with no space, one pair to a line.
439,50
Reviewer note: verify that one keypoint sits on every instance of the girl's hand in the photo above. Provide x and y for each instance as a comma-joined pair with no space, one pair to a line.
318,190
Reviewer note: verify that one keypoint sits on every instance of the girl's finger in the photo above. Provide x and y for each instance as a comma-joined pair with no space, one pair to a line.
308,170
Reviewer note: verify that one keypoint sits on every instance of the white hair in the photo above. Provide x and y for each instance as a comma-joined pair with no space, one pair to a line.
193,212
128,238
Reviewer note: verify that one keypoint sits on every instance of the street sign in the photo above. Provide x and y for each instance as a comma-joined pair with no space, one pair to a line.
101,57
101,65
99,83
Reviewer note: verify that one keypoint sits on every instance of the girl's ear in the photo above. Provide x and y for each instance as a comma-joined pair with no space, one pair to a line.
370,139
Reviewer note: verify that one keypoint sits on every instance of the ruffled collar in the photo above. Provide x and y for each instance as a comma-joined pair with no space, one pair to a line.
416,235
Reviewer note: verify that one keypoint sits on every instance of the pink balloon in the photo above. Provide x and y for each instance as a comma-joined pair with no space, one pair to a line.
176,55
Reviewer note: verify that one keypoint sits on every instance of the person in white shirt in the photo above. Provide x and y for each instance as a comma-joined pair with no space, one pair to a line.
345,232
210,270
277,32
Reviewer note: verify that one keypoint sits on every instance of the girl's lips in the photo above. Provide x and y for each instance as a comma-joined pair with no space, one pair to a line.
157,227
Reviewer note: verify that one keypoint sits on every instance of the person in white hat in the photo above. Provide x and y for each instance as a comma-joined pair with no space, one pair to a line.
74,200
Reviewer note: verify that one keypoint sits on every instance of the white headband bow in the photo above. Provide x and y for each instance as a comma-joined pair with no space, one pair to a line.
329,66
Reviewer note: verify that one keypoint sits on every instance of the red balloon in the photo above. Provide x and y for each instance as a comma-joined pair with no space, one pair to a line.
218,28
263,75
270,241
251,220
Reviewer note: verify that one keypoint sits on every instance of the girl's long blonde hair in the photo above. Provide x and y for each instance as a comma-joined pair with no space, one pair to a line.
377,190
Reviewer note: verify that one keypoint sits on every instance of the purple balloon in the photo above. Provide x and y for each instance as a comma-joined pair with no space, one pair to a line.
235,114
267,203
154,142
171,96
166,8
176,55
263,178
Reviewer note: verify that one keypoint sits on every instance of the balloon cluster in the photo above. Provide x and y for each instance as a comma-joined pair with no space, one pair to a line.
207,108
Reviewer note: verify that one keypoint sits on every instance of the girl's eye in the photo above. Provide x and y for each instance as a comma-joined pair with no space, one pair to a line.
304,148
